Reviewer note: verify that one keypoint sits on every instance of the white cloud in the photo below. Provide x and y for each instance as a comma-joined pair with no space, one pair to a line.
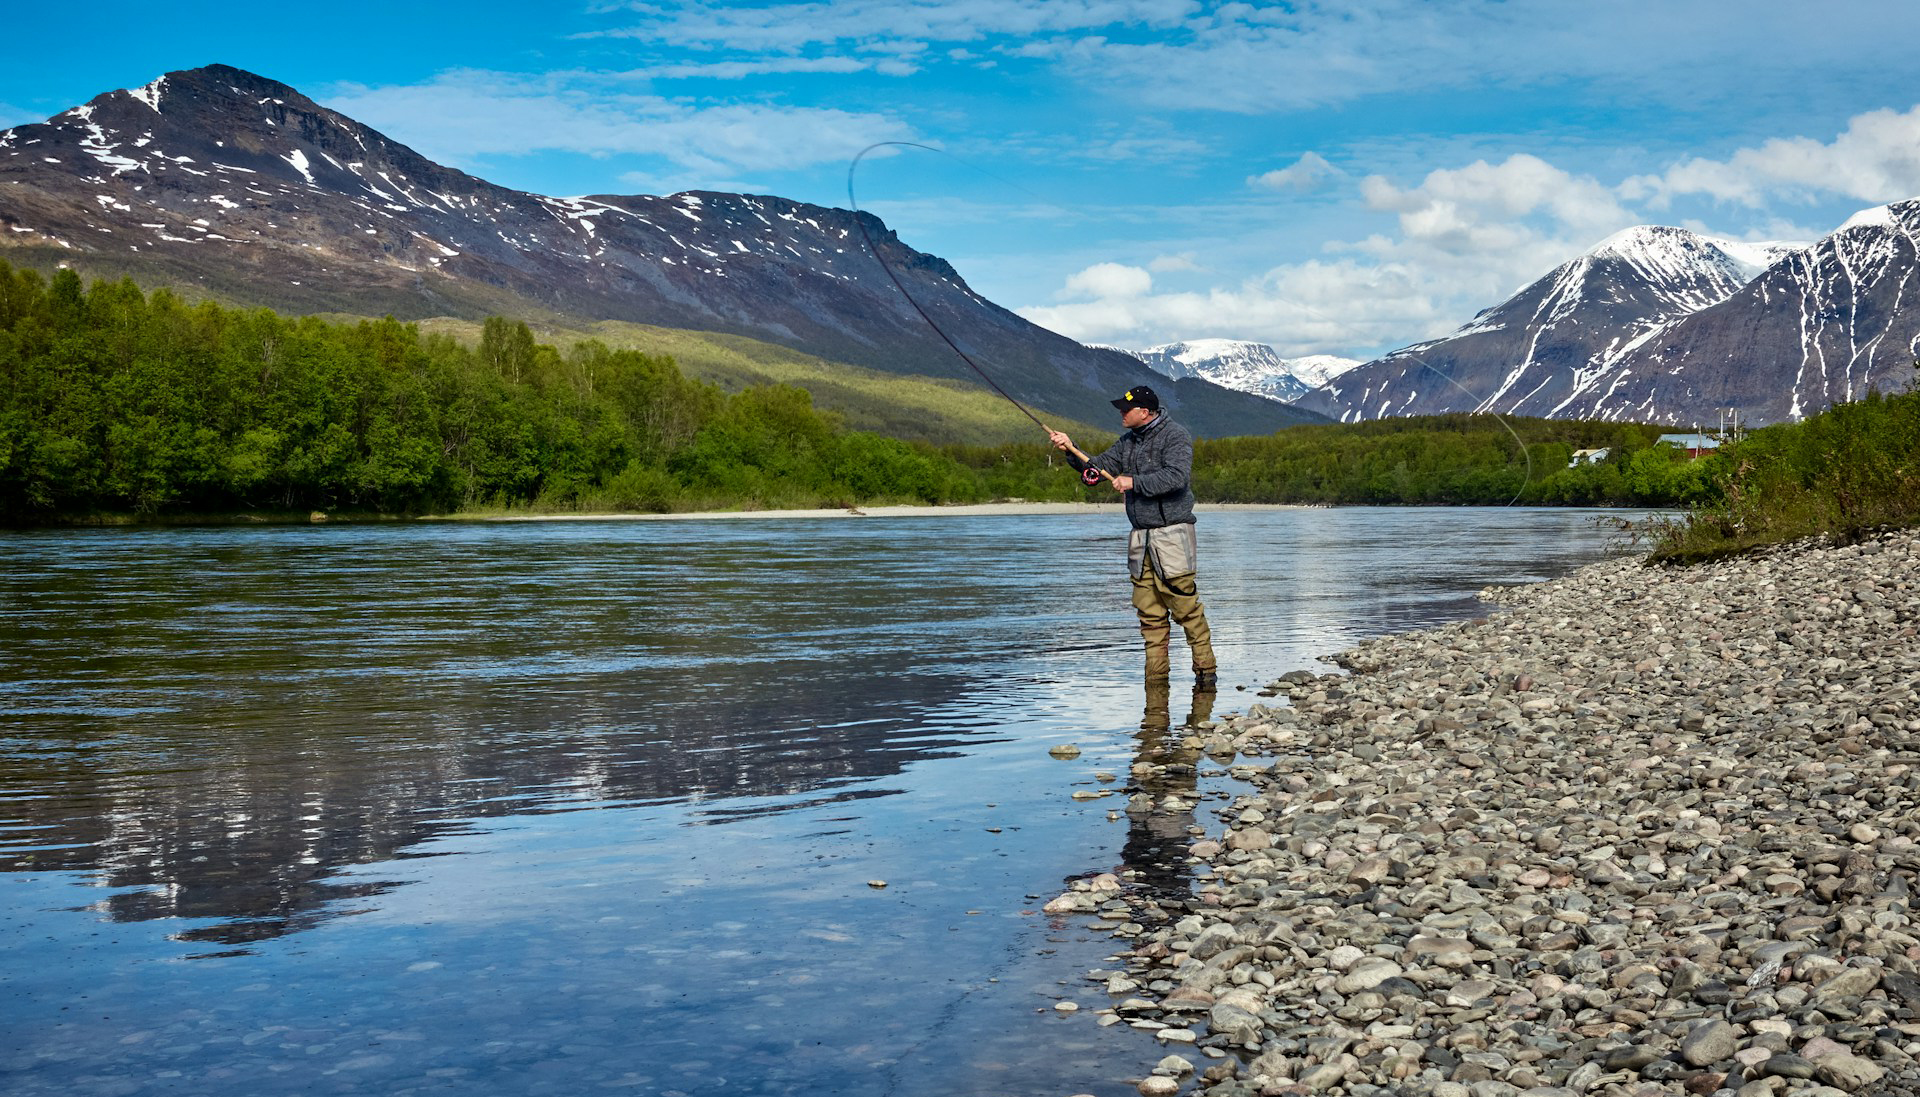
467,114
1108,280
1256,59
1485,208
793,27
1465,238
1875,160
1310,172
1166,264
1304,308
740,70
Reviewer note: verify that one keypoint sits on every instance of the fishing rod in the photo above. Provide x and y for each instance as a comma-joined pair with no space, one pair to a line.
1089,475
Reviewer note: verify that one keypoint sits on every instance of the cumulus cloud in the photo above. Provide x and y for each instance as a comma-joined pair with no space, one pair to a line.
1460,239
1876,159
463,115
1310,172
1306,308
1108,280
1465,238
1485,208
1300,309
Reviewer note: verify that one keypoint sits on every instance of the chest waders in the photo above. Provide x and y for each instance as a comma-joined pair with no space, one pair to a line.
1161,562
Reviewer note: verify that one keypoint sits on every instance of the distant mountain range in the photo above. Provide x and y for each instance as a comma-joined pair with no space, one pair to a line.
1662,324
229,184
240,187
1246,367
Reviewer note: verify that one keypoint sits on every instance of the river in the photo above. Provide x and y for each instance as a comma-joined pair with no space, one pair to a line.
561,807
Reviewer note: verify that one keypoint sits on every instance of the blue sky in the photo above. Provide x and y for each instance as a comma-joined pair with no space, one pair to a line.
1328,178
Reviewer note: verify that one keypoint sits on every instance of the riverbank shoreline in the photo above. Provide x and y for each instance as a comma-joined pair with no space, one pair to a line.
1641,831
955,510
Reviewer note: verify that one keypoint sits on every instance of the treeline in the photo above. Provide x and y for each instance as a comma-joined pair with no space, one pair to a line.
115,401
1851,470
1481,460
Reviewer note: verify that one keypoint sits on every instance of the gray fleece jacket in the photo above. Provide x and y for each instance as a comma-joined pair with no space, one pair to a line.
1159,457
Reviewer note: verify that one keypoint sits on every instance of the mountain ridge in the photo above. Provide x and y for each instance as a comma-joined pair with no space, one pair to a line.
222,180
1659,323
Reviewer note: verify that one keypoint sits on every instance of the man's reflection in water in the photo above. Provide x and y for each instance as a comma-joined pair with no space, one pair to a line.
1160,811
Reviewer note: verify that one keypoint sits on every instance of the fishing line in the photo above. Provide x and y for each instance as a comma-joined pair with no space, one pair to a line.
1526,454
861,224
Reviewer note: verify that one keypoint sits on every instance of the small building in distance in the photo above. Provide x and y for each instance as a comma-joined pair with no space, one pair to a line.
1696,444
1589,456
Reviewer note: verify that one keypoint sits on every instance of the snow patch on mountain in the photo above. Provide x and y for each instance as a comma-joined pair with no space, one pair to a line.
150,95
1755,257
1248,367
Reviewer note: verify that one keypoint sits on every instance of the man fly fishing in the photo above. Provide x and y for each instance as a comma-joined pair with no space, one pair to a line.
1153,464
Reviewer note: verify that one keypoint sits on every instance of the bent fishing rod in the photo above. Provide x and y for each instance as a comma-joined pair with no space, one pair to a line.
1089,475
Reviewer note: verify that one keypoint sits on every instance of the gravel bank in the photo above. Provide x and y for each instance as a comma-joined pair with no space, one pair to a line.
1640,832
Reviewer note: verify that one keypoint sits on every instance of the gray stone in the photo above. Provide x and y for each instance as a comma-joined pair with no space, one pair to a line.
1367,974
1632,1057
1709,1043
1235,1023
1849,983
1848,1072
1787,1066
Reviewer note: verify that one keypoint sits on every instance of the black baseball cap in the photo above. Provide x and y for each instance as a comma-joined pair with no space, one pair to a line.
1139,396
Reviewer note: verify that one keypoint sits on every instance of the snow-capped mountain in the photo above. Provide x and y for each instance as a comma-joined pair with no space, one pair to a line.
1822,325
231,184
1563,346
1247,367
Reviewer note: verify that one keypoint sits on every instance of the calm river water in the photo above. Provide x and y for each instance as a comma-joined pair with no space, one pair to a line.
578,806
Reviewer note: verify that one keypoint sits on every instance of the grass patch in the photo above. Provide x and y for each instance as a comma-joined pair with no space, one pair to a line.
914,409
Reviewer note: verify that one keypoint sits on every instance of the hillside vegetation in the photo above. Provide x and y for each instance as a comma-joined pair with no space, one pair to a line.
122,403
913,409
1850,470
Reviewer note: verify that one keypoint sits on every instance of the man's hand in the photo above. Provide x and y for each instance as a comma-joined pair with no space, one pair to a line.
1060,440
1123,483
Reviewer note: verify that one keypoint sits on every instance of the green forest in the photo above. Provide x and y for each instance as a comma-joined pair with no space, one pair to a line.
120,403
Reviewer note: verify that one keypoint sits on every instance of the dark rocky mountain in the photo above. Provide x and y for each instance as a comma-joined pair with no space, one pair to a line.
1664,325
221,181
